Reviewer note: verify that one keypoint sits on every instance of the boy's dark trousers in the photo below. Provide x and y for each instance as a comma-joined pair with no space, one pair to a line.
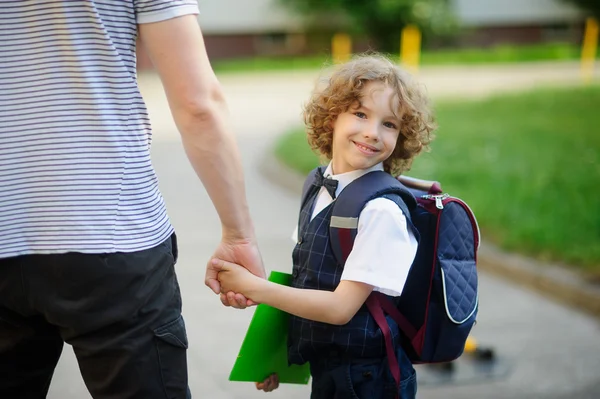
338,378
121,313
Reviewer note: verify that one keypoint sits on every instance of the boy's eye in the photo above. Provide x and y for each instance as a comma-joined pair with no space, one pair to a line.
390,125
360,115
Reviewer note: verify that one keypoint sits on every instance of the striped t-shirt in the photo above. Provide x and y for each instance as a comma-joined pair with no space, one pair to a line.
75,170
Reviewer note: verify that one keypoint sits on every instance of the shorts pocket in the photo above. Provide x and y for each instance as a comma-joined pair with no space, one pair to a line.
171,345
375,380
367,381
408,387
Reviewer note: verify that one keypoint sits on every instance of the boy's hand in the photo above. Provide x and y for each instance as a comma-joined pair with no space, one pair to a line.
235,278
240,251
269,384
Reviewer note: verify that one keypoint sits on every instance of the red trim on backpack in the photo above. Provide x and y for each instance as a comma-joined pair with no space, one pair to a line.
390,308
418,340
471,218
346,242
376,310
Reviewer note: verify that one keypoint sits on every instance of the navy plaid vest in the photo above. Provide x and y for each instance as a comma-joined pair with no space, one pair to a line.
316,268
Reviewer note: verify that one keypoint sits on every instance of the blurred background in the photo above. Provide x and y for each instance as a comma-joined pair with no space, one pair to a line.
515,85
285,29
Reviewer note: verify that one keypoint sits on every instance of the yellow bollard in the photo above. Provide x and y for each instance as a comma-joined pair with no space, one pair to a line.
588,50
470,345
341,47
410,48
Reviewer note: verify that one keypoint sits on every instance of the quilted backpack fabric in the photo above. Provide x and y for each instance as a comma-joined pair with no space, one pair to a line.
440,298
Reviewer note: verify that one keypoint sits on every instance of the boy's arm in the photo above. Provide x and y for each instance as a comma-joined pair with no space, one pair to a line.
336,307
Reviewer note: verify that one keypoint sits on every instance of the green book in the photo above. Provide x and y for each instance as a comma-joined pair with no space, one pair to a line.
264,349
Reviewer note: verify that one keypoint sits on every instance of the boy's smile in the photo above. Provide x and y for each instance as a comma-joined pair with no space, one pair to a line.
366,134
365,148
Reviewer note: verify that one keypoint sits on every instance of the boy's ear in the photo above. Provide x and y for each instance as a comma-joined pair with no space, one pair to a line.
331,123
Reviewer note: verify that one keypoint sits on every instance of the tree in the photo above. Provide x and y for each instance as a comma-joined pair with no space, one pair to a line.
381,20
590,6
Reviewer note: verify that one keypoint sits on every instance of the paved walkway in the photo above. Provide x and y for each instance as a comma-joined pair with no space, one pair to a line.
554,352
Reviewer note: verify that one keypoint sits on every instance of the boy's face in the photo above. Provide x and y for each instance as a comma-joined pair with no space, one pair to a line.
366,134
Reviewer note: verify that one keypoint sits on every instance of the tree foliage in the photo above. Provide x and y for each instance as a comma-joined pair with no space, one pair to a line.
381,20
590,6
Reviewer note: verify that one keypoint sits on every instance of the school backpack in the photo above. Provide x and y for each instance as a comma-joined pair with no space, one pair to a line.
439,302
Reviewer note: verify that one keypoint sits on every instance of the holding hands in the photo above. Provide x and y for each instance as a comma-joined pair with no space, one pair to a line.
235,278
239,251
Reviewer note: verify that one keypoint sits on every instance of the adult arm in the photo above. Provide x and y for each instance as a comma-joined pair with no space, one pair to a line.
198,106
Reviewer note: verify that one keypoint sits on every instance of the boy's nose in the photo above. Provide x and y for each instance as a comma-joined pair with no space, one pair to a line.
371,133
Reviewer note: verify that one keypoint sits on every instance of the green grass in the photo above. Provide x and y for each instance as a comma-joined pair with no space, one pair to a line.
270,63
497,54
528,164
503,53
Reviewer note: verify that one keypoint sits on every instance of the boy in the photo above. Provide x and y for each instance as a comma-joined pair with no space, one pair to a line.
370,116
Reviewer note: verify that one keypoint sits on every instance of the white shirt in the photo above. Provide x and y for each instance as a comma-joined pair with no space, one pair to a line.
75,169
384,248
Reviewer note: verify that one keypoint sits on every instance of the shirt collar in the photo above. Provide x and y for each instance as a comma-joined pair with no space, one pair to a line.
346,178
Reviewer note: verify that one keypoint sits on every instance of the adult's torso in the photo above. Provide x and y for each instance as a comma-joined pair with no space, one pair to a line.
75,170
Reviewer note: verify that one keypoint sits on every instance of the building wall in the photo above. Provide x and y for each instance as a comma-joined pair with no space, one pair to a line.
489,22
241,28
260,16
219,17
494,13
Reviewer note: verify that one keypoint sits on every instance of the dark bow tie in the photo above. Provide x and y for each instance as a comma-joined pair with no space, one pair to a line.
330,184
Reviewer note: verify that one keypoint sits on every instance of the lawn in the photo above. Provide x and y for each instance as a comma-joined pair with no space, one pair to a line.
528,164
497,54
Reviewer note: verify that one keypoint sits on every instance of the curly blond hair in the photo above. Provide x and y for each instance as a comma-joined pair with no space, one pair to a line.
344,88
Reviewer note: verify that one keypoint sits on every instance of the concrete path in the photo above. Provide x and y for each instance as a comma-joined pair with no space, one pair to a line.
554,352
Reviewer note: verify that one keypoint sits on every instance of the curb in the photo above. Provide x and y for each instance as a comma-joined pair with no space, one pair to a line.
554,281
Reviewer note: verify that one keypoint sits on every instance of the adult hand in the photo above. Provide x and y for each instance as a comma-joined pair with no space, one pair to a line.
244,252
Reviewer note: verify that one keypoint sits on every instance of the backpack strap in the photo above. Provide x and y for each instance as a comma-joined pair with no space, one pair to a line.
351,201
343,228
308,183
